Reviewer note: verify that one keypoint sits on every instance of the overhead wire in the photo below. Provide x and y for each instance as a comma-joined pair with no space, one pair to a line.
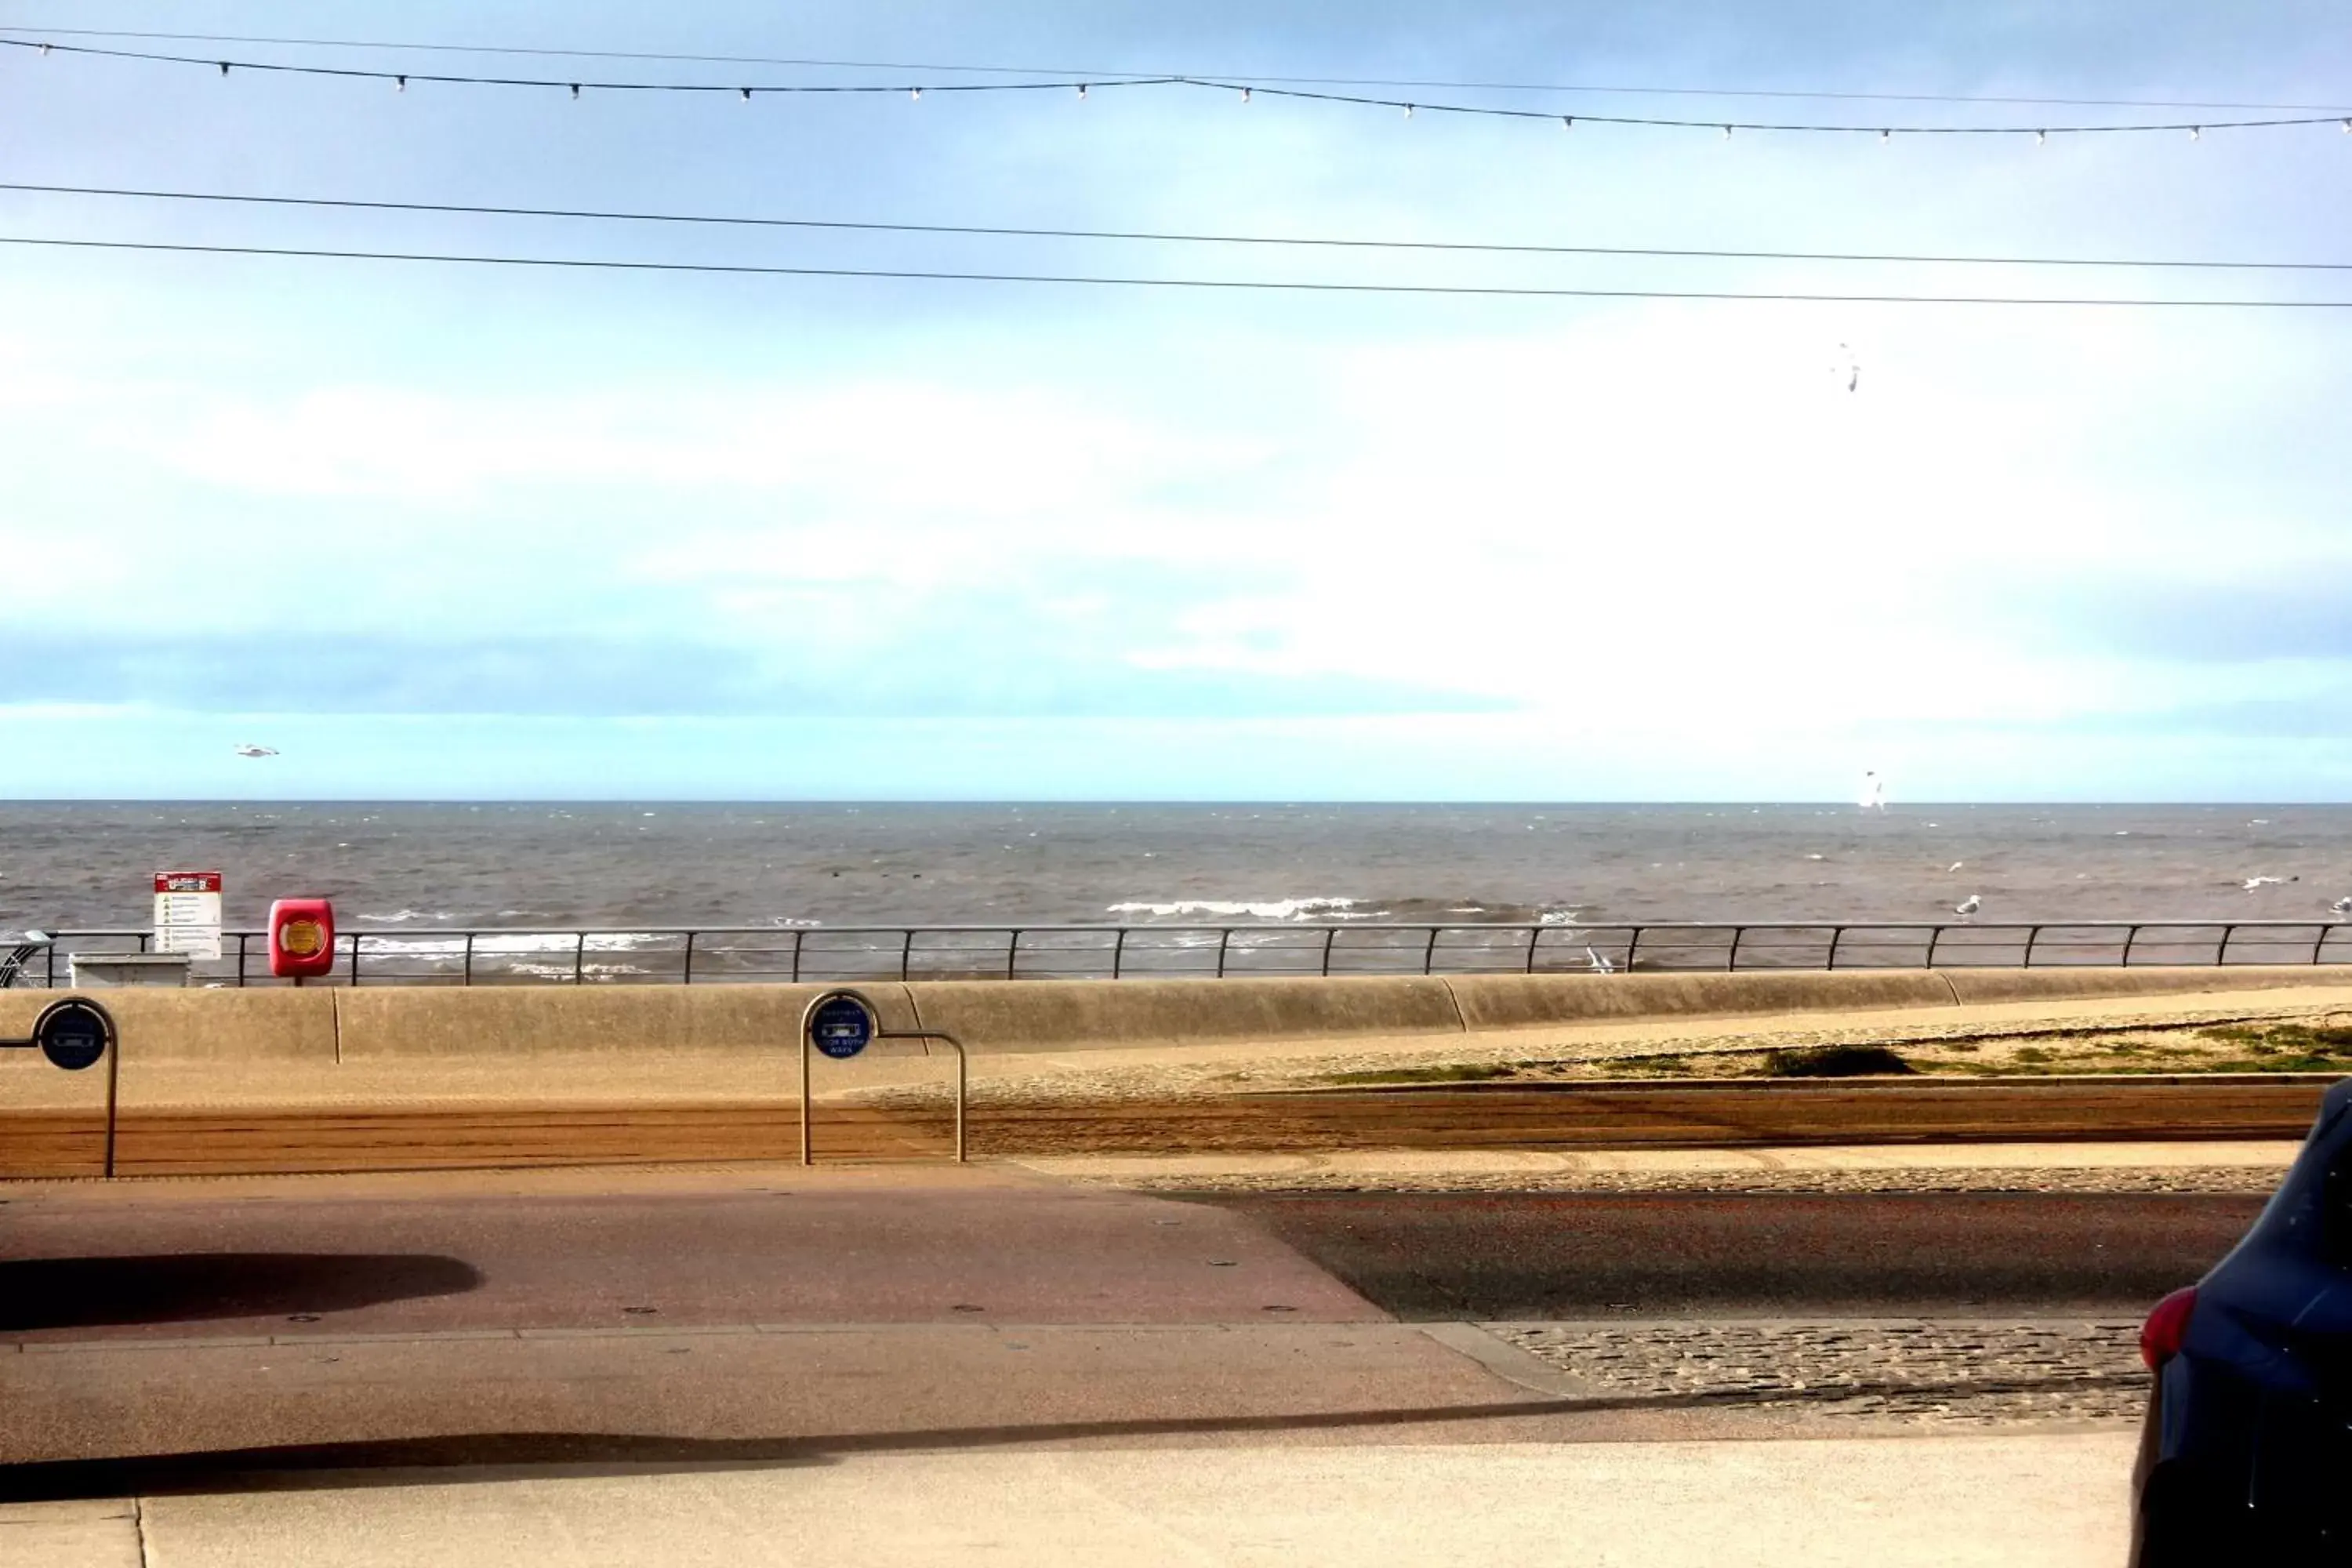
1230,284
1091,72
1243,89
1168,236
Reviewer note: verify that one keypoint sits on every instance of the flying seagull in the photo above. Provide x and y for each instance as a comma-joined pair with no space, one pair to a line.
1872,791
1968,906
249,749
2343,908
1603,966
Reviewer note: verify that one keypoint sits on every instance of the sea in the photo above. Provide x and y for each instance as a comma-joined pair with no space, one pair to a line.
622,866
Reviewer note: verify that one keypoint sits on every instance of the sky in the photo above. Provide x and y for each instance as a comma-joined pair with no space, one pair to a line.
440,531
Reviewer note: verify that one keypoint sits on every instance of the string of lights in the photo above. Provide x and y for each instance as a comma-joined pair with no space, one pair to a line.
947,68
1241,89
1315,242
603,264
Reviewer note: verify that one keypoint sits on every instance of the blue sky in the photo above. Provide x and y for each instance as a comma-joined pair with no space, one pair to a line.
469,532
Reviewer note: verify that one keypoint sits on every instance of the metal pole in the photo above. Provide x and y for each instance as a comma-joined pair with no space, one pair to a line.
1631,943
2221,954
1225,935
113,1078
2132,937
355,958
2032,935
1535,936
469,958
804,1065
1331,934
798,938
1731,960
2321,944
242,941
1012,951
579,958
1837,935
906,951
1429,954
1935,935
686,975
1117,953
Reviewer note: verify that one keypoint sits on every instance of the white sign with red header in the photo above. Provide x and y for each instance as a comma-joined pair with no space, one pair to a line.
188,913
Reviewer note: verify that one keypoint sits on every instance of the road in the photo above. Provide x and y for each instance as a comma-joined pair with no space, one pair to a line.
661,1365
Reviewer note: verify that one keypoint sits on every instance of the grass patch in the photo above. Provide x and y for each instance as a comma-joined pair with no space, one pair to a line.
1457,1072
1835,1061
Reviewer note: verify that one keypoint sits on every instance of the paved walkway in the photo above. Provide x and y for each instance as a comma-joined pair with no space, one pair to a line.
2051,1501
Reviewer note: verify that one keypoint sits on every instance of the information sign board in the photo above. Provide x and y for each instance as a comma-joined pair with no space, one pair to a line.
841,1026
188,913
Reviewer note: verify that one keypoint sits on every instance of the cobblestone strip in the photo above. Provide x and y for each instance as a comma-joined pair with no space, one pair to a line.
2227,1180
1923,1372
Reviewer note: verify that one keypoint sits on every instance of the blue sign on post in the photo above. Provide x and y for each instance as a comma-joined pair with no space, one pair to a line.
841,1027
73,1034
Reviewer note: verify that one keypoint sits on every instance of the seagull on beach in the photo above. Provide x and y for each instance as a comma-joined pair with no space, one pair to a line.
2250,883
1968,906
248,749
2343,908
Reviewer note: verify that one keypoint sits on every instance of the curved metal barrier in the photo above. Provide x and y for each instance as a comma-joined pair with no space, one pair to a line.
719,954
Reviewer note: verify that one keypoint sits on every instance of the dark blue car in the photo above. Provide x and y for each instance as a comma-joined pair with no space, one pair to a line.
2246,1455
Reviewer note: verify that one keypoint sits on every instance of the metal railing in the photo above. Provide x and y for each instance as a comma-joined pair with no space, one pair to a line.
719,954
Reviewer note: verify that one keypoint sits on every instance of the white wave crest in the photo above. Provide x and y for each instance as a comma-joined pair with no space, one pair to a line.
1270,910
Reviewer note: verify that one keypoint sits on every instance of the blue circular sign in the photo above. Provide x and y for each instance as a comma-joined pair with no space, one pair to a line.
73,1033
841,1026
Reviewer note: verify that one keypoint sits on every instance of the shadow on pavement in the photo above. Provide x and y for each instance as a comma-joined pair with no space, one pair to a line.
428,1461
182,1287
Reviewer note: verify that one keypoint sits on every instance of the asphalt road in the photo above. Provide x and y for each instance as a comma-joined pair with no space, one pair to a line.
926,1246
1489,1256
197,1335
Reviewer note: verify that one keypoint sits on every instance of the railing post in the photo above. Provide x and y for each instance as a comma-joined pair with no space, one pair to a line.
2318,946
2131,938
2032,935
355,958
1012,953
243,940
1837,935
2221,953
1117,953
799,936
685,970
579,958
1330,934
906,951
1225,936
1632,945
469,958
1535,936
1731,960
1429,954
1935,936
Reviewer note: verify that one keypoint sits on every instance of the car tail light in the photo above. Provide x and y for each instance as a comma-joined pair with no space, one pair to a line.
2166,1326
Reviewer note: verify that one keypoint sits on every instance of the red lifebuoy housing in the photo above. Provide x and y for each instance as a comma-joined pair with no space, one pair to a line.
301,938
